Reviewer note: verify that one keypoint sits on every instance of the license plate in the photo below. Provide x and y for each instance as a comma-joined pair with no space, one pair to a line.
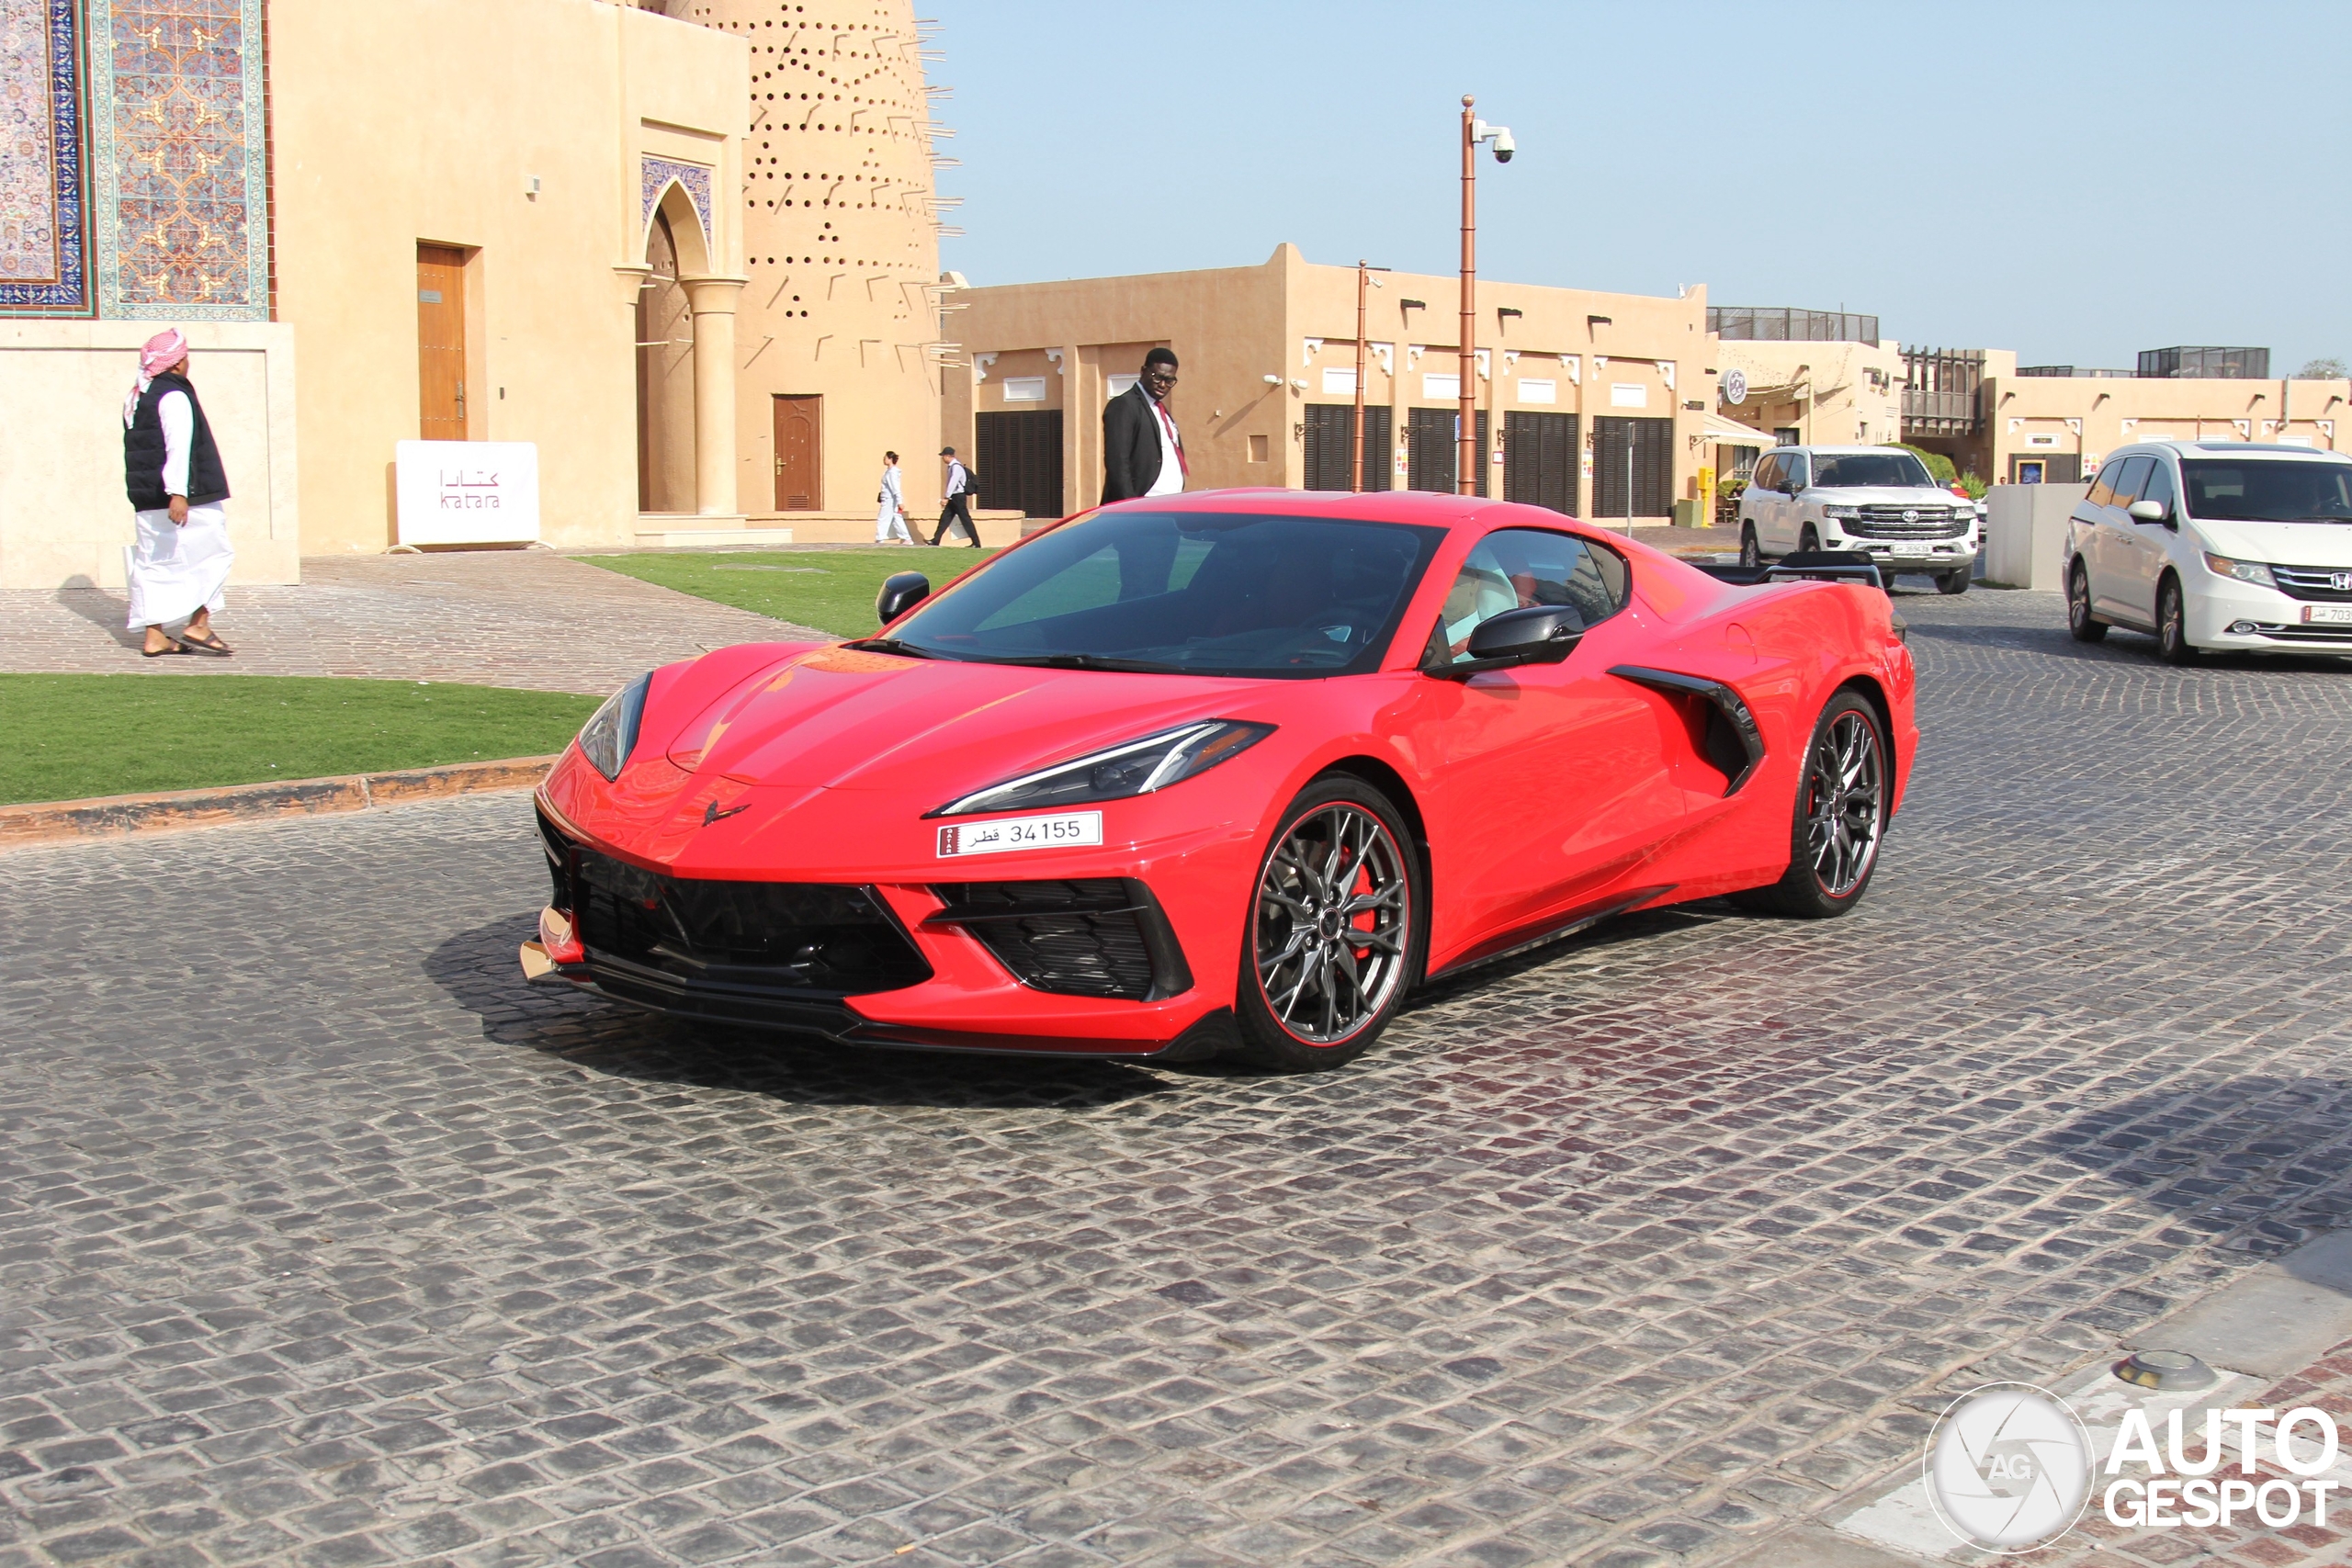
1061,830
2327,614
1913,550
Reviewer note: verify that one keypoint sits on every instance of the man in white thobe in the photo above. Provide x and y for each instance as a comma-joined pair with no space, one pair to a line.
176,485
892,518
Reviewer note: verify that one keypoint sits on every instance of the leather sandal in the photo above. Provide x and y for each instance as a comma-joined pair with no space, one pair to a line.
166,649
211,644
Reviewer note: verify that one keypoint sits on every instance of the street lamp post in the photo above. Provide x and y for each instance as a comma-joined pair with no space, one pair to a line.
1466,436
1365,282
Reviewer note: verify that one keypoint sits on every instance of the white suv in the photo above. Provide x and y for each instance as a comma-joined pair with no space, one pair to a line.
1878,500
2215,545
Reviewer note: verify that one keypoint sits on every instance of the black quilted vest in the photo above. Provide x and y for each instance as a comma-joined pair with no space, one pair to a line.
143,451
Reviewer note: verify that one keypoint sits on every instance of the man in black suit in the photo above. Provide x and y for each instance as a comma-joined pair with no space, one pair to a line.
1142,453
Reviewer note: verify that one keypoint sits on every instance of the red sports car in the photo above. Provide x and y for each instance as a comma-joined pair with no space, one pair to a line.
1222,773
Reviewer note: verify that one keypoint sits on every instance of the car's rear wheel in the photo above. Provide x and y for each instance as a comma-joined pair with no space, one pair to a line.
2172,625
1751,554
1335,937
1841,805
2081,624
1953,581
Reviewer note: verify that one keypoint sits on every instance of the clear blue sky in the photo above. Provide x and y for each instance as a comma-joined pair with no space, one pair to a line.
2075,181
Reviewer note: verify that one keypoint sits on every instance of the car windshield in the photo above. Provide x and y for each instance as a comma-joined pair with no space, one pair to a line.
1196,593
2269,491
1849,471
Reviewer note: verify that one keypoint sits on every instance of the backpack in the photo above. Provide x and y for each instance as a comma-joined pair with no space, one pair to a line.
971,484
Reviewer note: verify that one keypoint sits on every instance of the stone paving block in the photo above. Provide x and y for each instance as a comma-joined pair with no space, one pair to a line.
1636,1249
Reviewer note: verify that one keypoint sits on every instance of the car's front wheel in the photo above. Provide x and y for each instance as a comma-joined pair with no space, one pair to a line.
1841,805
2081,624
1751,554
1953,581
1335,934
2172,625
1809,540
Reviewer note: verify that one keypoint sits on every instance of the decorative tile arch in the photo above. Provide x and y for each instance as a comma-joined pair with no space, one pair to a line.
657,176
43,213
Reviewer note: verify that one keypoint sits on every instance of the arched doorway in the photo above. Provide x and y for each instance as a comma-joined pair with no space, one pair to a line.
665,380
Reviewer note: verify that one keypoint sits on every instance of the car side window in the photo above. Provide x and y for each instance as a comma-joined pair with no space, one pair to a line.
2127,484
2102,490
2160,486
1768,474
1795,471
1514,568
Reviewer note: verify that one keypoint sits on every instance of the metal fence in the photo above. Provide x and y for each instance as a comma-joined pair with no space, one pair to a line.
1749,323
2225,364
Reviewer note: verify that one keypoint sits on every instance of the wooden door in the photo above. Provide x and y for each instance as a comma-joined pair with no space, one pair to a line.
1021,461
1540,458
1431,449
1331,447
799,423
441,342
1653,468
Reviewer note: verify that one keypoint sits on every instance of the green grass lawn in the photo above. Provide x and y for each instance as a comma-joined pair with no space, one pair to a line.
830,590
70,736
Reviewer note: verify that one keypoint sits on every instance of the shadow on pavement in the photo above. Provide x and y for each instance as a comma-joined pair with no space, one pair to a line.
2254,1165
102,610
478,971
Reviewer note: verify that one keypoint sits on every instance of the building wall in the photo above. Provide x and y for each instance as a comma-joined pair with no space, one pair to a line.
840,244
63,516
611,109
1830,393
1293,320
2086,418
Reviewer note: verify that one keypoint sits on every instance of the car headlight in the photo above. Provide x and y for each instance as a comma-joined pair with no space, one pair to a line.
2252,572
610,734
1139,767
1841,512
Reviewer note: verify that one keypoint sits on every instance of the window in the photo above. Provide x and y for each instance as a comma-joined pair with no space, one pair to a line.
1514,568
2160,486
1795,469
2128,479
1768,474
1786,434
2274,491
1846,470
1193,593
2103,485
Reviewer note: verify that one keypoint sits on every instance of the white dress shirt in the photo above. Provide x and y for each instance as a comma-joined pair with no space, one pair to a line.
1172,464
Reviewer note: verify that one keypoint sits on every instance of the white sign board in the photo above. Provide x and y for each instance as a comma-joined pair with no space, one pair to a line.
1434,385
468,492
1339,381
1024,388
1538,390
1118,386
1629,395
1734,387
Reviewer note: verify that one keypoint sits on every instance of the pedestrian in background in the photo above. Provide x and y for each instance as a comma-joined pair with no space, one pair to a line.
958,509
173,472
892,518
1142,453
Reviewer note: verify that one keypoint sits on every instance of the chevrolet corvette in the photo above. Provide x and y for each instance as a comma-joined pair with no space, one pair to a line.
1229,773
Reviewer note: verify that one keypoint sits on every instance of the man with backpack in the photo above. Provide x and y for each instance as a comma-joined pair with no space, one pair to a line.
958,509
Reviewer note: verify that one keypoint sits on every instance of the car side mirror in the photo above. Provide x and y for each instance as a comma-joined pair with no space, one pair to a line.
1535,634
901,592
2150,512
1796,486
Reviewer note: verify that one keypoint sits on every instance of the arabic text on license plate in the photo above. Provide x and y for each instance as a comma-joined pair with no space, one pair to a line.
1059,831
2328,614
1911,549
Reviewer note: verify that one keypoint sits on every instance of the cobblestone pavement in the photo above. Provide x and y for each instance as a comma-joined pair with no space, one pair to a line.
527,618
323,1241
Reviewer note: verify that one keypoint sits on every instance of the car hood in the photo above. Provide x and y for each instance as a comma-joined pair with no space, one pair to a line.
1882,495
843,718
2283,544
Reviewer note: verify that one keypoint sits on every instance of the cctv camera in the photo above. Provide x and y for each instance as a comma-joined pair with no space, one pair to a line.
1273,380
1504,147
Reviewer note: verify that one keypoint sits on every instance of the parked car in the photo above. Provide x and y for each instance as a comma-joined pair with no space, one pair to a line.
1219,774
2215,544
1878,500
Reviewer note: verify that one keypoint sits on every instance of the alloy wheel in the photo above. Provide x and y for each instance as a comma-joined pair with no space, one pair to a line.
1845,782
1330,923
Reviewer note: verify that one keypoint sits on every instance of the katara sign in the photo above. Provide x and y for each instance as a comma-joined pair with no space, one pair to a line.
468,492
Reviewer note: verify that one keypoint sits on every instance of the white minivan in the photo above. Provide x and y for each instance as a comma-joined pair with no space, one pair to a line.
2215,545
1878,500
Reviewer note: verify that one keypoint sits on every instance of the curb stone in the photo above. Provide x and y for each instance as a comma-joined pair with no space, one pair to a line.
117,815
